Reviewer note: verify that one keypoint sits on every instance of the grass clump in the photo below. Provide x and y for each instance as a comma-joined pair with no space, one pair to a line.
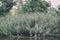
22,24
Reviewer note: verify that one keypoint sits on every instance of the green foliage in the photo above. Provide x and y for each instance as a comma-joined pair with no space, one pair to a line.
22,24
58,10
6,5
58,7
37,23
35,5
53,11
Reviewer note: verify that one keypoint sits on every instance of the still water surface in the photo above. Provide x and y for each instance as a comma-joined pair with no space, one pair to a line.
15,38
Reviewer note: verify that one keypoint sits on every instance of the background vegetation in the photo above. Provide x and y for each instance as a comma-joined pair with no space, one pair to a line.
31,20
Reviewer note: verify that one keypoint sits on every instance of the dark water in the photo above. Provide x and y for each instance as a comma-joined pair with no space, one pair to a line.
15,38
7,38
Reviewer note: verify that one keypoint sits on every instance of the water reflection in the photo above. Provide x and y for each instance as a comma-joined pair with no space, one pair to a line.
4,38
26,38
7,38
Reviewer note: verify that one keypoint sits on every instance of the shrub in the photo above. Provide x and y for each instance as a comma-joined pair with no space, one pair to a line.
35,5
23,24
5,6
53,11
58,12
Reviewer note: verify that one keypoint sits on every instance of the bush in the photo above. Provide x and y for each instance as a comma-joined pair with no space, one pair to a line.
23,24
53,11
35,5
58,12
5,6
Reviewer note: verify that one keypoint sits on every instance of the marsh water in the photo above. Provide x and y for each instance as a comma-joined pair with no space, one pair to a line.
7,38
27,38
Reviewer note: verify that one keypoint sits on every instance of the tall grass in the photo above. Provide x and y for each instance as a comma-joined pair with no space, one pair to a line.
23,23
